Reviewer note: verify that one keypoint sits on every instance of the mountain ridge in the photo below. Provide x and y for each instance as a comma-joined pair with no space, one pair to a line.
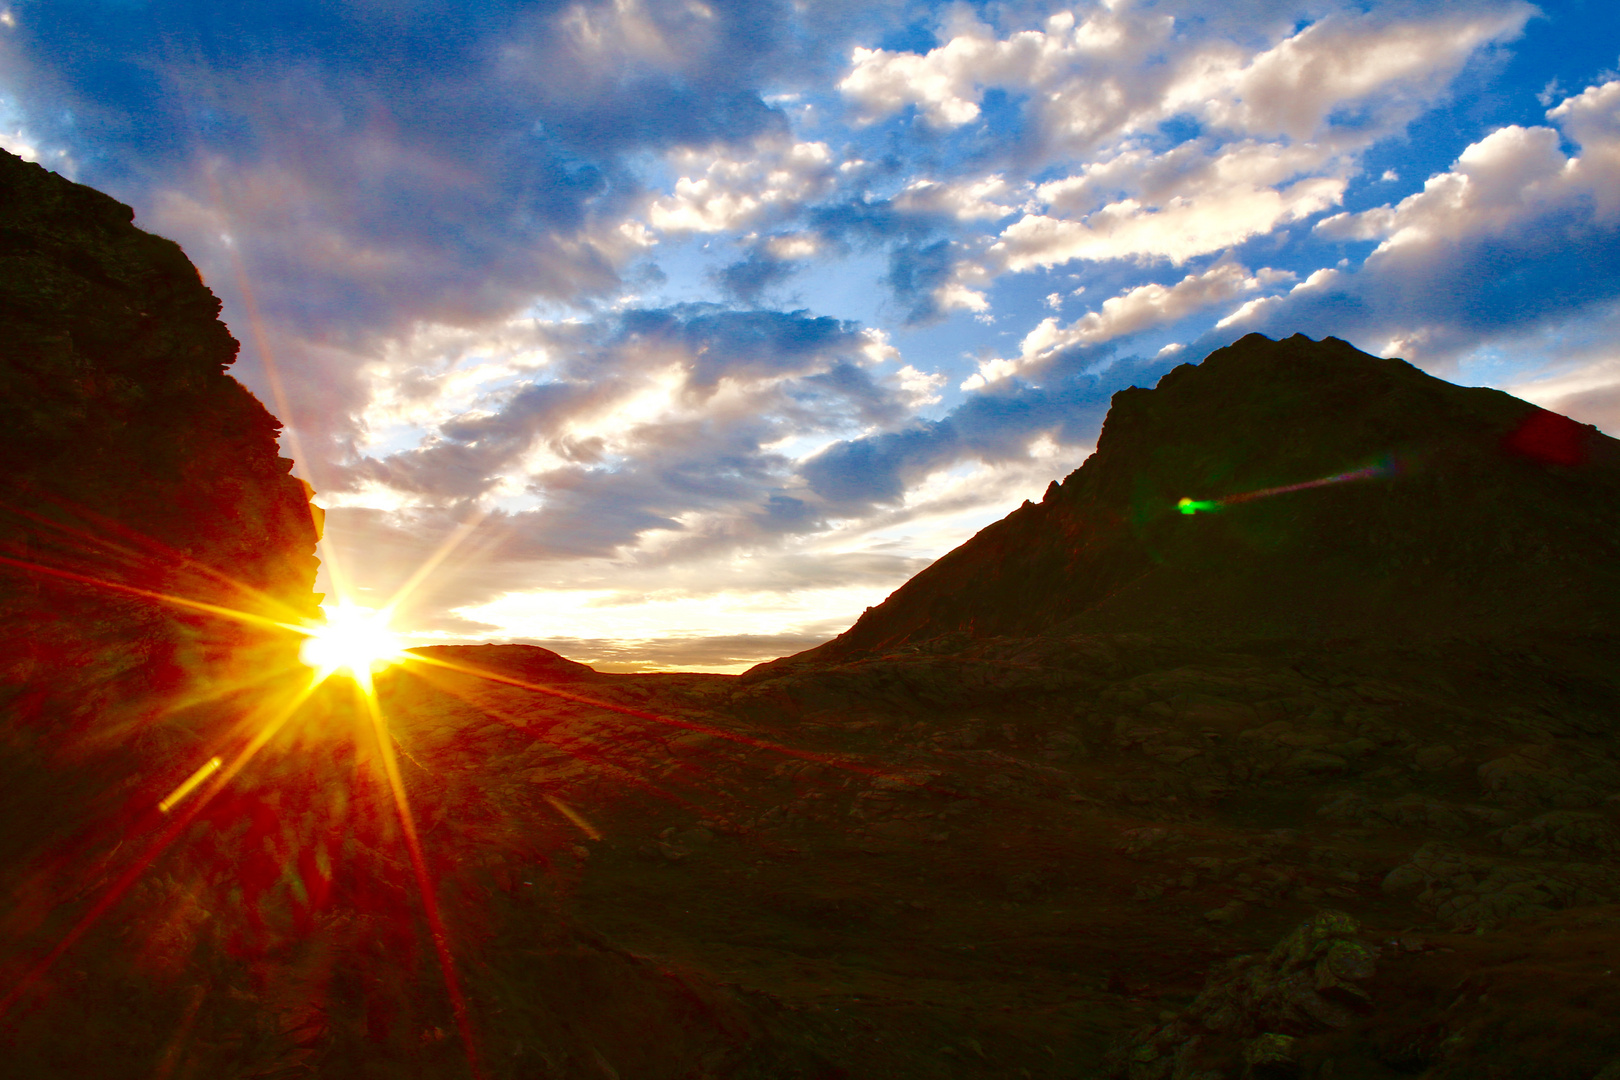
1106,549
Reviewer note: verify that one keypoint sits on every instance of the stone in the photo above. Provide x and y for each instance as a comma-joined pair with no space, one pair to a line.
1405,878
1317,761
1528,777
1306,739
1270,1056
1230,912
1435,757
1562,831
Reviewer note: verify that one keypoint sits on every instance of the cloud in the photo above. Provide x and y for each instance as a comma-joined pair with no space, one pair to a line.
658,420
370,171
995,426
749,277
726,654
768,262
1118,71
1590,393
947,83
1515,235
966,200
775,175
1279,128
1181,229
1337,64
1131,312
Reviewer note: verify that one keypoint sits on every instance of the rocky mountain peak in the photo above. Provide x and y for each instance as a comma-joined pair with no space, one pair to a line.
1446,511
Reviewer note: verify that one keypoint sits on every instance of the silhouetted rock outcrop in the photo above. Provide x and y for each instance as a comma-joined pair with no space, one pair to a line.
1492,516
134,469
131,459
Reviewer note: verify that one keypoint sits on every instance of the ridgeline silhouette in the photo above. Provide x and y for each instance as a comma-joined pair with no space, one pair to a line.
1491,516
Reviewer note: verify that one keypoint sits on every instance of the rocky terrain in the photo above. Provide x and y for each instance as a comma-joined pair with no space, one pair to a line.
1324,784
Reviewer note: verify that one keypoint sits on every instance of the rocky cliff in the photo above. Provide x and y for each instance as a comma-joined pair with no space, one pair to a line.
131,460
1483,515
135,469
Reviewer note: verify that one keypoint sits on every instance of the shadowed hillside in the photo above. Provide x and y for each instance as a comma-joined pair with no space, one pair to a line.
1495,515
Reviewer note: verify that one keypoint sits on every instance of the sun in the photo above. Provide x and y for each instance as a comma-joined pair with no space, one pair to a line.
354,640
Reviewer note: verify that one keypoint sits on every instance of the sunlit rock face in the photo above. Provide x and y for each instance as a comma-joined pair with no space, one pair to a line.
1473,514
132,461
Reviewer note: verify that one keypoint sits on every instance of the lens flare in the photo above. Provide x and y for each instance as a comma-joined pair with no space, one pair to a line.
1385,467
191,783
355,641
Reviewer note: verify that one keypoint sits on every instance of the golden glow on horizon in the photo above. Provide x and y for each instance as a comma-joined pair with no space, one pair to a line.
355,640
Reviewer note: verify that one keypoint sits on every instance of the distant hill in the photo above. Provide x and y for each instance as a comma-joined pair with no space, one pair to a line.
1485,515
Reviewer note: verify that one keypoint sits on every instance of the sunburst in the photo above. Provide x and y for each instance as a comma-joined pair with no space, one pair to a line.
354,641
351,642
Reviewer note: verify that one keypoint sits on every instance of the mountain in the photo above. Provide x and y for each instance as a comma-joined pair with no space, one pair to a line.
1485,515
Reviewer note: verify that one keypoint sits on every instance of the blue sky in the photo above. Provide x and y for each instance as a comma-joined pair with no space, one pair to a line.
674,334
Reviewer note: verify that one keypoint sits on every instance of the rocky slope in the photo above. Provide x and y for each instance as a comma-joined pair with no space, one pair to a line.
1495,516
131,458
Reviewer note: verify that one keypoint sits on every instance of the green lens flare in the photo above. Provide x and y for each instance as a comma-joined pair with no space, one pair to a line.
1387,466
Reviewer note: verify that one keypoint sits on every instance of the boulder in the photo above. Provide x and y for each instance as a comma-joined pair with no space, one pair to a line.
1309,982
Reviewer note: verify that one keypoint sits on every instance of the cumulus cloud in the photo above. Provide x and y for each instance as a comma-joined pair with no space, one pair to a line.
1183,228
1589,393
373,172
1336,65
999,425
1131,312
947,83
1089,80
1516,234
719,191
1281,126
658,420
966,200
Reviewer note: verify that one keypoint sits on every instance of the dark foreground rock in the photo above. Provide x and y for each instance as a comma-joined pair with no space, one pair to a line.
132,462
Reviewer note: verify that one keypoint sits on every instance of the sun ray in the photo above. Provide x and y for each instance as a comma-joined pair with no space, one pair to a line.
157,554
424,882
355,640
432,562
272,370
150,594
